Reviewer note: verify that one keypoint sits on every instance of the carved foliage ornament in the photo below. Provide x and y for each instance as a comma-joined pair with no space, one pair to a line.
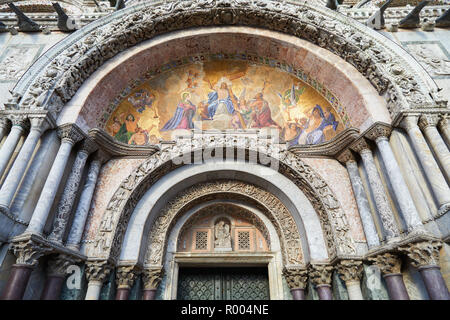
350,270
97,271
423,254
28,252
321,274
388,263
152,277
296,278
125,276
115,219
387,70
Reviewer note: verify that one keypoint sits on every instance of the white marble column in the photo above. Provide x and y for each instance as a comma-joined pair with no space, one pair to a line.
350,272
81,213
433,173
15,174
70,191
362,202
96,273
444,126
4,128
428,123
69,136
381,201
380,133
18,127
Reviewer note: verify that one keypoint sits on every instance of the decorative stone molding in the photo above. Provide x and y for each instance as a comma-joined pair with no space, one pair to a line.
388,263
321,274
125,276
270,205
97,271
152,277
70,133
115,219
423,254
28,252
350,270
428,120
58,264
296,278
378,131
345,156
54,79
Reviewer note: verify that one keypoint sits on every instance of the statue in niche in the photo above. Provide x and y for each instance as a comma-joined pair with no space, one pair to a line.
222,236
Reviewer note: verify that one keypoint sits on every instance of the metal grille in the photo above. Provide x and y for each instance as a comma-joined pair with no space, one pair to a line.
201,240
244,240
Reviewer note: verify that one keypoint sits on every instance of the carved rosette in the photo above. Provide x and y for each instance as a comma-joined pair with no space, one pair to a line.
97,271
296,278
423,254
28,252
125,276
152,277
427,120
379,131
70,133
350,270
388,263
345,156
57,265
321,274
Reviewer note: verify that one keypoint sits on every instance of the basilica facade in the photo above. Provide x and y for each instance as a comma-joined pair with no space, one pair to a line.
224,149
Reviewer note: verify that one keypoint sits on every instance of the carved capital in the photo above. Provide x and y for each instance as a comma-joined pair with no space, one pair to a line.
152,278
57,265
388,263
97,271
321,274
125,276
70,133
379,131
296,278
423,254
360,145
428,120
19,120
444,121
28,252
88,146
101,156
345,156
39,123
409,122
5,124
350,270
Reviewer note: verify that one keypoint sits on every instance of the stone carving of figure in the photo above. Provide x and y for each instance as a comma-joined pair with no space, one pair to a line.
222,235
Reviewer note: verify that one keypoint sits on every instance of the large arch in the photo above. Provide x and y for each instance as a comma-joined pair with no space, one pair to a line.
54,79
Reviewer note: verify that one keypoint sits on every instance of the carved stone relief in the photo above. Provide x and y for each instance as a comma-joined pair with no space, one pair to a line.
16,59
432,56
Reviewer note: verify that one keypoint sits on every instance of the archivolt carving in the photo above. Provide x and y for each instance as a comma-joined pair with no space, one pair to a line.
115,219
54,79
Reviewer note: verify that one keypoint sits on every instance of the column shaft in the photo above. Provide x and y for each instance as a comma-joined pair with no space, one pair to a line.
68,197
434,282
53,287
445,130
44,204
9,146
122,293
149,294
93,290
354,290
381,201
84,204
3,130
396,287
17,282
298,294
403,196
324,291
439,148
363,205
434,175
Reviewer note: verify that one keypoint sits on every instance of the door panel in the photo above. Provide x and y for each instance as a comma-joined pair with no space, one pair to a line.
223,284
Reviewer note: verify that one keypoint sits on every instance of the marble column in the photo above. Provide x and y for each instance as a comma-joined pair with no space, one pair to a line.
125,277
27,253
56,274
96,273
424,255
81,213
390,267
380,133
15,175
19,125
381,201
444,126
4,128
69,136
433,173
428,125
70,191
296,280
320,276
151,279
350,272
362,202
